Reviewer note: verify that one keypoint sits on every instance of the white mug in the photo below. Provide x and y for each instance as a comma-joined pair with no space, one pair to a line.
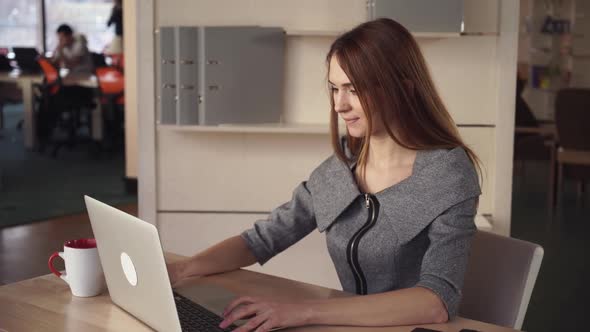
83,269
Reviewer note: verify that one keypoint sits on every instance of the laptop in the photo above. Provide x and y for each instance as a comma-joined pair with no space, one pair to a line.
4,64
26,58
136,276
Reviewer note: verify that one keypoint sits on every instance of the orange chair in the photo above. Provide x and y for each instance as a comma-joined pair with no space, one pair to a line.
51,78
117,60
111,85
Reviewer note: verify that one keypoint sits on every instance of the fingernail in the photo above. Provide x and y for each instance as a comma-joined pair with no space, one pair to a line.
222,324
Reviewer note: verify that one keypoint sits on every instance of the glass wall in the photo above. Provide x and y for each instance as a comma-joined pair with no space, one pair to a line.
88,17
20,23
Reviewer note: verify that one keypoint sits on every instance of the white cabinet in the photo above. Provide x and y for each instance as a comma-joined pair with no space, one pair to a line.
421,16
301,15
234,171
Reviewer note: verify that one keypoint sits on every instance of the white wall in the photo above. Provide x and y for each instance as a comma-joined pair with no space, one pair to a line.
199,187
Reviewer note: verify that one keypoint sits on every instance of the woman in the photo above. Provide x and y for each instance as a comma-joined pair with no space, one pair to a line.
397,204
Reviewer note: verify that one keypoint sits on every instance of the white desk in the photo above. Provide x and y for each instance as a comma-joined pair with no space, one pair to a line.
26,81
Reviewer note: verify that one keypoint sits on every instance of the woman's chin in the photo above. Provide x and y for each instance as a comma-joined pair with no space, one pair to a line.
356,133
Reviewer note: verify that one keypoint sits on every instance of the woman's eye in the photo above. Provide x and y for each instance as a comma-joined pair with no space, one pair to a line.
353,92
334,90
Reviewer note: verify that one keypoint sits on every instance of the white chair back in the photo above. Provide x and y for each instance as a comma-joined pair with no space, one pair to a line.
500,278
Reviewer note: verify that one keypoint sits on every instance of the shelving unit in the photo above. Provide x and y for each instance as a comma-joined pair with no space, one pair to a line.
270,128
320,33
313,33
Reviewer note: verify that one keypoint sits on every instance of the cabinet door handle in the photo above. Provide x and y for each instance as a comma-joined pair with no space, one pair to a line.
168,86
213,62
187,87
187,62
214,87
165,62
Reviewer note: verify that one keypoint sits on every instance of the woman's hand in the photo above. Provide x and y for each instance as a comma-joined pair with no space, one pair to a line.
264,315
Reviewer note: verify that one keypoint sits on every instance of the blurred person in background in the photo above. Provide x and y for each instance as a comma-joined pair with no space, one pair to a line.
72,51
116,19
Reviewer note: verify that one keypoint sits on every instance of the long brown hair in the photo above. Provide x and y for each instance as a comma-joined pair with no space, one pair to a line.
388,71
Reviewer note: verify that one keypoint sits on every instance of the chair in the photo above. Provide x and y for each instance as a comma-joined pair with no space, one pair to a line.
61,108
111,86
572,118
117,60
499,280
98,59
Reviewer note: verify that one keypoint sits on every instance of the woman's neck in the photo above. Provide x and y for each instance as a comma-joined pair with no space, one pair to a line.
384,152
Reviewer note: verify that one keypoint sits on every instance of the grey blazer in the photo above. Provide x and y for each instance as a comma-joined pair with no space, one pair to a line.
415,233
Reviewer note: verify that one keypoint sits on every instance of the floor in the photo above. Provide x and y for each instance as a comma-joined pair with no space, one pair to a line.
34,186
25,250
562,287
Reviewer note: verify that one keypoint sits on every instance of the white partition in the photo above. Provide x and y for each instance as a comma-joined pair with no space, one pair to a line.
464,72
306,66
478,139
242,172
233,171
307,261
209,185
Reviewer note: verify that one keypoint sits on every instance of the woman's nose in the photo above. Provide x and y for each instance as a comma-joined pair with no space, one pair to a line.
341,102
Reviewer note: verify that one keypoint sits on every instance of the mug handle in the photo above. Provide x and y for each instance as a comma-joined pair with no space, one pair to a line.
52,268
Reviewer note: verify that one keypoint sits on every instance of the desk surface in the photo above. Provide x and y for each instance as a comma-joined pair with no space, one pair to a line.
46,304
85,80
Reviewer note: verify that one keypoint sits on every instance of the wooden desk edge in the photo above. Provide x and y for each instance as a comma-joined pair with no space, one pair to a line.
57,319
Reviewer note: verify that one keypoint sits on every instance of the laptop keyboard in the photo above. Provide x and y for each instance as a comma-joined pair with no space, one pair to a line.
194,317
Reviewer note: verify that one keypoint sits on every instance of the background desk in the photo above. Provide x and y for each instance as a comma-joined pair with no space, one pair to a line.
26,82
46,304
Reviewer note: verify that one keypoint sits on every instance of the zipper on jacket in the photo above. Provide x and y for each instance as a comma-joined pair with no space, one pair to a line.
372,206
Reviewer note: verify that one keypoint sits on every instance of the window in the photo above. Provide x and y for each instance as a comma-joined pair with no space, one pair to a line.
20,23
88,17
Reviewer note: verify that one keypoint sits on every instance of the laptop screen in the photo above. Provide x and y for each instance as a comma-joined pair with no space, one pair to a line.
26,58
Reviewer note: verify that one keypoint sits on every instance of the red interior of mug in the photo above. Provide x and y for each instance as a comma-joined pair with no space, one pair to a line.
81,244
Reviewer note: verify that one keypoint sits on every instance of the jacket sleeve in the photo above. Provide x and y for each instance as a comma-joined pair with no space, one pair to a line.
445,261
285,225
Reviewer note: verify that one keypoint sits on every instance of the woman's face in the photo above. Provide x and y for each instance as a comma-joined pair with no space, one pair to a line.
346,100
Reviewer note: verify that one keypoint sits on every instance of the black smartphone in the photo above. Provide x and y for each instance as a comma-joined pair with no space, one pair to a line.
423,329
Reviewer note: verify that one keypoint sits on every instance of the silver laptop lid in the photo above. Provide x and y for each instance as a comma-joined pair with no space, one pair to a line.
134,267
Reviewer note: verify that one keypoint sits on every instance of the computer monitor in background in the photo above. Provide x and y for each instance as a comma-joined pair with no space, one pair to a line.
4,63
26,59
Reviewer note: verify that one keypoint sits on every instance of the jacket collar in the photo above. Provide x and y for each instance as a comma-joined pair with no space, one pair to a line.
334,189
438,181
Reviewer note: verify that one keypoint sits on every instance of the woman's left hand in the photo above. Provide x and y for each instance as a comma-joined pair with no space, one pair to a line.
264,315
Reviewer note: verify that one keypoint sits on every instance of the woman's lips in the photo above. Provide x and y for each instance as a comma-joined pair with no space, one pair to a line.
350,121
